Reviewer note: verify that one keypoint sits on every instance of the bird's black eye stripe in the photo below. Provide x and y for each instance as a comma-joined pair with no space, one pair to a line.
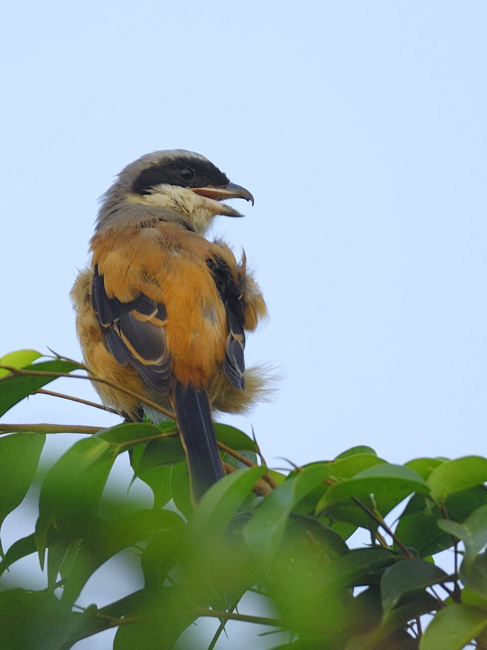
185,172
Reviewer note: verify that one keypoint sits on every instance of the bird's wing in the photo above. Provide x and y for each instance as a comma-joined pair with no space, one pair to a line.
134,333
231,290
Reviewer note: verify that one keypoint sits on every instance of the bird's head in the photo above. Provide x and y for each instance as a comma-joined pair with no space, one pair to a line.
179,186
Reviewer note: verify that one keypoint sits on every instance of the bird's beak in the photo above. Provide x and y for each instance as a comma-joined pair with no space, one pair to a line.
213,195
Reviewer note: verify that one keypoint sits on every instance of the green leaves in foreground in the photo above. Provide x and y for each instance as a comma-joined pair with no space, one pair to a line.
15,386
287,548
16,477
291,550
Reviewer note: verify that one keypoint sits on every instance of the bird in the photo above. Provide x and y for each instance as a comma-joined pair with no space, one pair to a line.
162,311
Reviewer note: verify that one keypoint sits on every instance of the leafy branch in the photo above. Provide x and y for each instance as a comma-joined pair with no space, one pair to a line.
294,541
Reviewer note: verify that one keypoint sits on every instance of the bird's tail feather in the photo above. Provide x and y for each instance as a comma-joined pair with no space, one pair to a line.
193,415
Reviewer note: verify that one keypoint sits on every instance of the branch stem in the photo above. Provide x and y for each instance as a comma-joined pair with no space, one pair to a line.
243,618
43,391
48,428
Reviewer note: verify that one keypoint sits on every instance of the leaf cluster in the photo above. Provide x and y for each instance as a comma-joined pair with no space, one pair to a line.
289,540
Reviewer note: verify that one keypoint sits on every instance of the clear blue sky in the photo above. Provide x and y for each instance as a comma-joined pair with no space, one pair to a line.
360,128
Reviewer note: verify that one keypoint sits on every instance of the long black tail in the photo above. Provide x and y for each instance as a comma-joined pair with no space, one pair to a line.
198,436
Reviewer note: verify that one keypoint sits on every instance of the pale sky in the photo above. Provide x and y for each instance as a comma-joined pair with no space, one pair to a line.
359,127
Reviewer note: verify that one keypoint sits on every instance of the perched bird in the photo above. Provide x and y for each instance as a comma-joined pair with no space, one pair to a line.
161,310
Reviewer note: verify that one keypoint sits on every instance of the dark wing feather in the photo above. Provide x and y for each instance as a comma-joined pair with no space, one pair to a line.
134,333
234,364
231,294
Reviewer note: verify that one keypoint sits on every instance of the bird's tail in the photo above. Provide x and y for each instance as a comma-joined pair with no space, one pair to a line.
195,425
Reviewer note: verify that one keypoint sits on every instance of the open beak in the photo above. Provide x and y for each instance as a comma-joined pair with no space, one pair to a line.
214,195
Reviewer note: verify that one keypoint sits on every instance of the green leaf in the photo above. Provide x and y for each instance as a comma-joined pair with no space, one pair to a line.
158,479
19,458
342,528
398,618
264,531
165,451
14,388
417,503
424,466
460,505
18,359
19,549
234,438
358,567
34,620
89,622
394,621
58,550
332,545
405,576
474,574
348,513
456,475
350,466
130,433
164,551
159,618
359,449
158,450
306,504
239,442
276,476
419,530
452,527
72,488
473,532
454,627
470,597
180,489
220,503
392,483
106,538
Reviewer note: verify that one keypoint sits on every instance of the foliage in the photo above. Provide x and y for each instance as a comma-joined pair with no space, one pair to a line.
285,539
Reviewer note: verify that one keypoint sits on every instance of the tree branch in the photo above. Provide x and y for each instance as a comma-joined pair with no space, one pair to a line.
43,391
243,618
49,428
377,518
55,375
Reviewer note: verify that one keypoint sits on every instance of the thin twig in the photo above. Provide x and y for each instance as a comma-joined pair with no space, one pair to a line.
455,593
158,436
267,477
101,380
61,357
443,586
221,627
244,618
68,428
419,627
261,488
382,541
43,391
245,461
49,428
235,454
377,518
